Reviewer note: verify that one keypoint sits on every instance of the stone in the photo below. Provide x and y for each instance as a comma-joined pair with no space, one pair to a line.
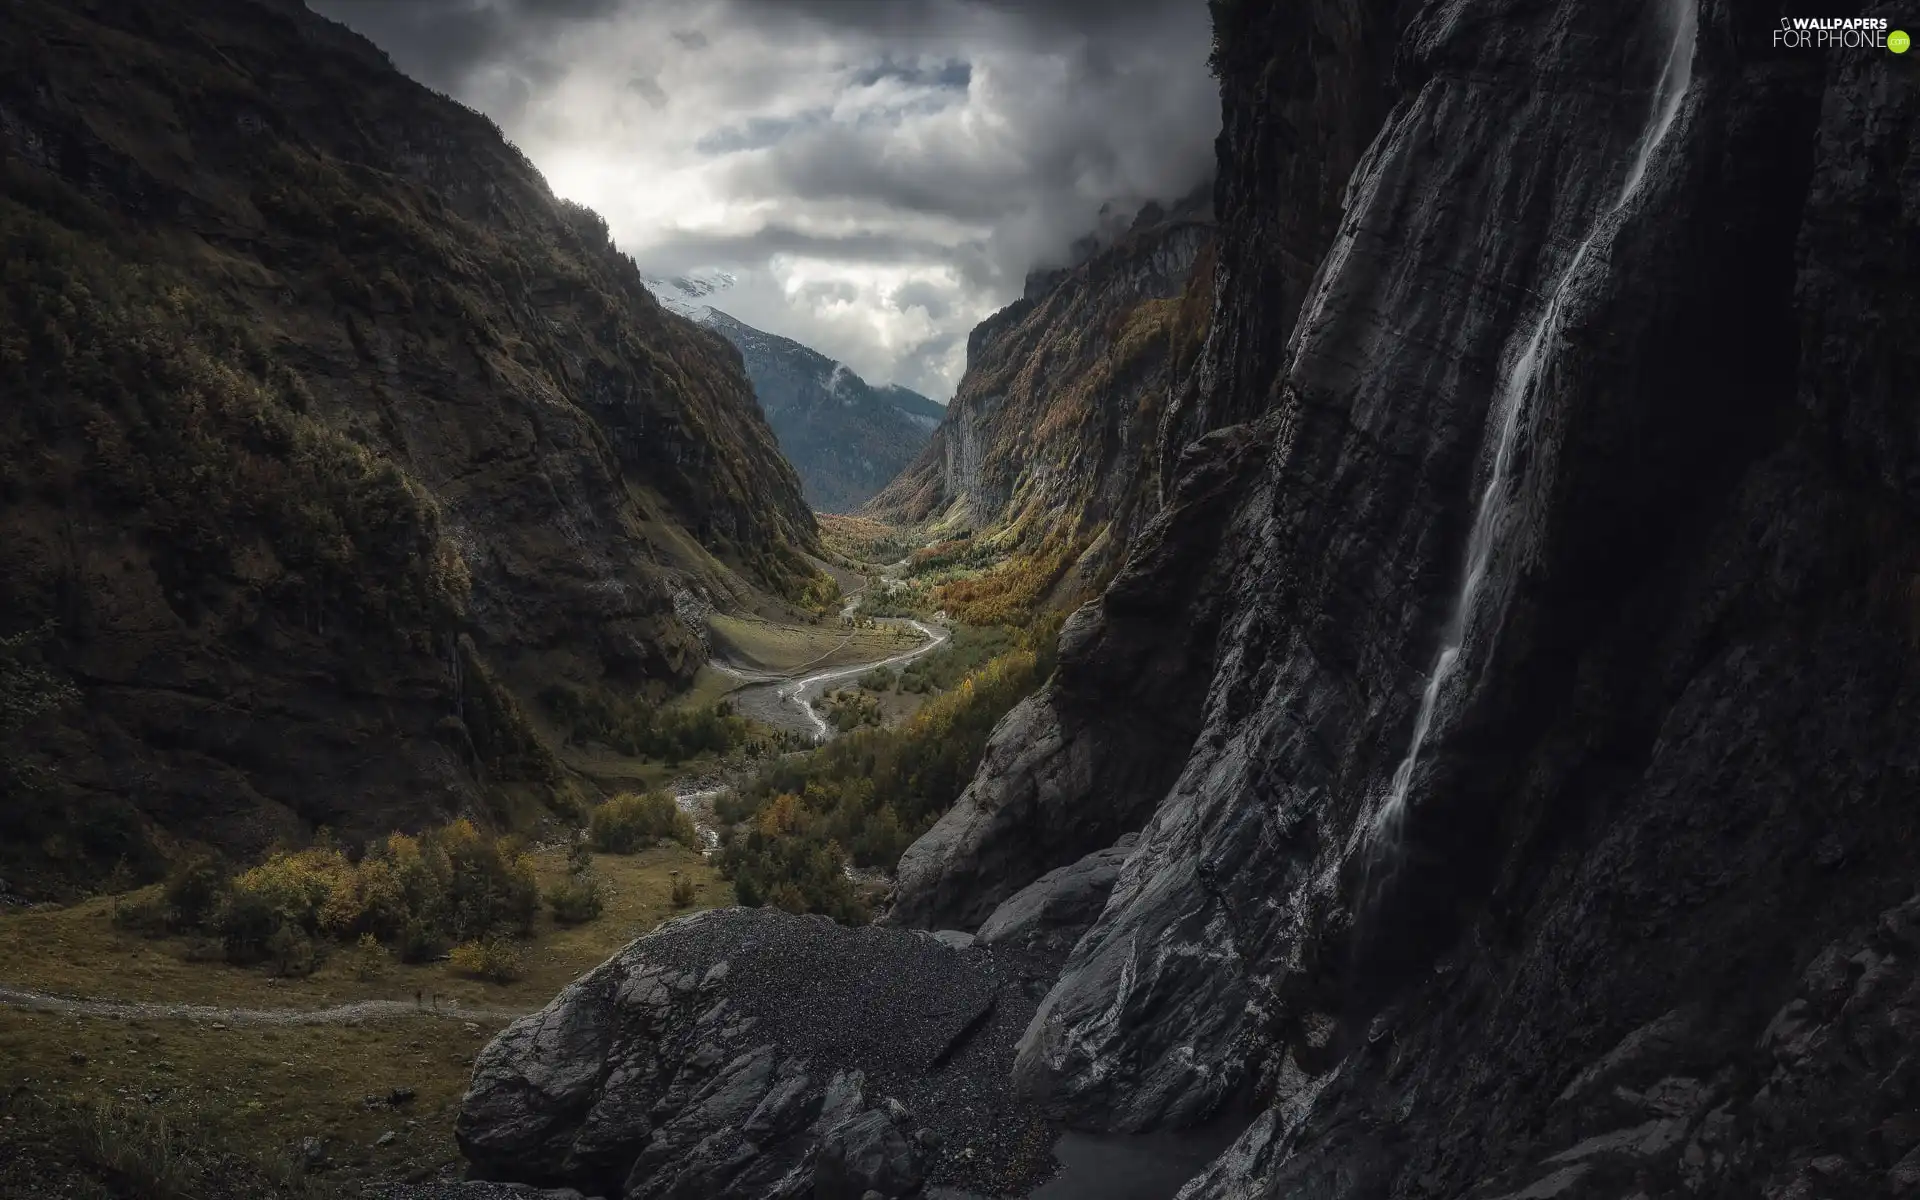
1018,447
1064,901
386,1139
846,1040
865,1154
1449,737
1085,760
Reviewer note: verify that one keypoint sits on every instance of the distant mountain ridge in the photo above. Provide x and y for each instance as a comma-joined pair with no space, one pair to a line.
845,437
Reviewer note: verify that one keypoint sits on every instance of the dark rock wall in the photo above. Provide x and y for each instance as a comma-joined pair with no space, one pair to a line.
1302,93
1667,792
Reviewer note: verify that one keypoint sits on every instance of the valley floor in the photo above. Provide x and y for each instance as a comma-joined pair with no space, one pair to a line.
89,1012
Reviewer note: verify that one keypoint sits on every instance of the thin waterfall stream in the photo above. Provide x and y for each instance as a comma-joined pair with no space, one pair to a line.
1515,397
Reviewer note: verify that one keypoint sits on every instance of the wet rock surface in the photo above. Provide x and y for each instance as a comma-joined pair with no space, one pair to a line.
748,1053
1637,921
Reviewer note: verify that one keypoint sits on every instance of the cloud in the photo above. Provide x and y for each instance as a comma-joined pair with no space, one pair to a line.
879,174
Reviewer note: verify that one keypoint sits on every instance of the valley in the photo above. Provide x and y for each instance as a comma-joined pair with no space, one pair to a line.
1390,678
91,1008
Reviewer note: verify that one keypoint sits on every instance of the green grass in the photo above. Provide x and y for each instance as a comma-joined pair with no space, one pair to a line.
709,687
789,649
268,1087
109,1150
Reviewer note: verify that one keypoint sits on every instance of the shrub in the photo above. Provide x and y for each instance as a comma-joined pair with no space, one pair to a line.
797,871
493,959
369,959
628,823
292,952
490,887
296,888
578,898
634,726
194,890
143,1150
147,915
421,893
420,942
1010,593
246,924
847,710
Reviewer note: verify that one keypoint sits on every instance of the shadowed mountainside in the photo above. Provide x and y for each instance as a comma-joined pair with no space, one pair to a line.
328,428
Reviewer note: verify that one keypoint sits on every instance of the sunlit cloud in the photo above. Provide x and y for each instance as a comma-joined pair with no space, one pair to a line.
878,177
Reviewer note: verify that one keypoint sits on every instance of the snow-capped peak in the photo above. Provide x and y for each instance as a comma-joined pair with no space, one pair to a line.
686,294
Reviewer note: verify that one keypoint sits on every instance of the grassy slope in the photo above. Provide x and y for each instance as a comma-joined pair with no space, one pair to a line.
271,1086
783,648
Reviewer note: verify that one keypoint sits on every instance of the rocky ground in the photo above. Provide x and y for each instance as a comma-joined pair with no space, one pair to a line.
749,1053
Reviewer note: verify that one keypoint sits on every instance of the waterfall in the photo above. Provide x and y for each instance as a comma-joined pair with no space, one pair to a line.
1517,393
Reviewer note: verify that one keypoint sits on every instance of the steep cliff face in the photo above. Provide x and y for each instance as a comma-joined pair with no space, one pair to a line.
1052,431
845,438
325,418
1545,828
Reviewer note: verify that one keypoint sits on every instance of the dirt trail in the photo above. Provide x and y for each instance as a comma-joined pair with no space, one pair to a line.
340,1014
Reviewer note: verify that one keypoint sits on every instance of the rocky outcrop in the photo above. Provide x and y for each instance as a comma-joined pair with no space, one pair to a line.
1051,434
1084,761
330,425
1552,722
744,1054
1056,908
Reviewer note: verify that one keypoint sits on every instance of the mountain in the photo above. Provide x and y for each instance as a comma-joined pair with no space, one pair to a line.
1513,699
1489,773
924,412
330,433
1050,439
845,437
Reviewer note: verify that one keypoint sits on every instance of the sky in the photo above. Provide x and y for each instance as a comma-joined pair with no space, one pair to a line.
877,175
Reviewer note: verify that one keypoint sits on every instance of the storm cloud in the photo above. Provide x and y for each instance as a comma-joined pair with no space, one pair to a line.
879,175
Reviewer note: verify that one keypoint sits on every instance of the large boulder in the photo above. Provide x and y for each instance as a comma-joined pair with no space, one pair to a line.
747,1054
1053,911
